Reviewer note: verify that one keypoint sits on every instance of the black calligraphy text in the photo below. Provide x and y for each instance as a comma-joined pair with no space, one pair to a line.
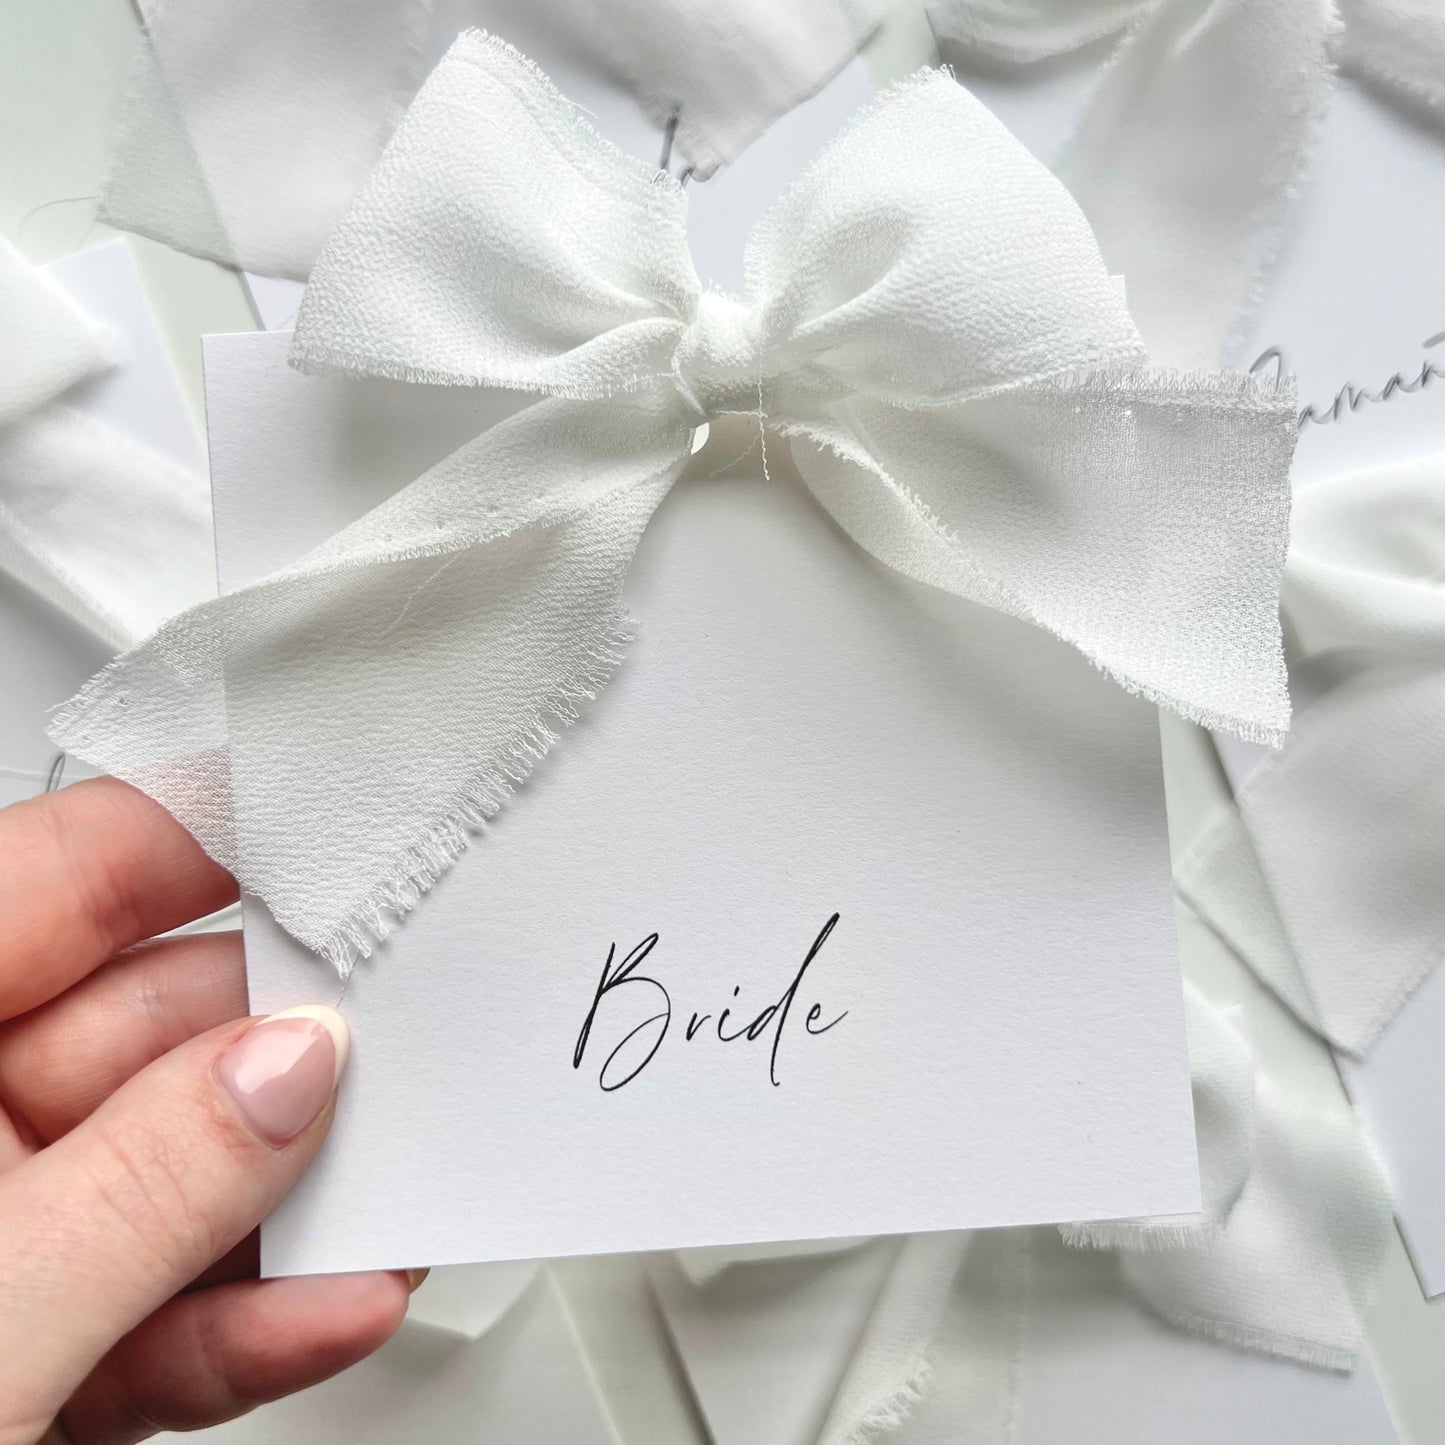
638,1046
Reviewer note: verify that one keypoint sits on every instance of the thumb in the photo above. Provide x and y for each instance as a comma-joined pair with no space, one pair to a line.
174,1169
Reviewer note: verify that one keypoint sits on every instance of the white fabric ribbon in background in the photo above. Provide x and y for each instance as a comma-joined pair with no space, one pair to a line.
722,69
1326,877
249,125
927,320
1191,146
49,343
1281,1262
101,526
1398,45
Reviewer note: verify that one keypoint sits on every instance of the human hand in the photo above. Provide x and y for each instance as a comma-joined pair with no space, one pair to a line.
146,1126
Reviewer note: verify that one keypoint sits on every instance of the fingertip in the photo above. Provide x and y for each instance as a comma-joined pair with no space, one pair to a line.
281,1074
329,1019
343,1314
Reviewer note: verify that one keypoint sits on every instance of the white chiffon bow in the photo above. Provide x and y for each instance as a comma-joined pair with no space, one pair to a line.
927,320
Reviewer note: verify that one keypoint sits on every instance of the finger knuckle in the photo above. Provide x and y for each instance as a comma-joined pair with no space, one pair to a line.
142,1181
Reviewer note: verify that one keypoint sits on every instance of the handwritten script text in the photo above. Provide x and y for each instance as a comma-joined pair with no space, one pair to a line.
639,1045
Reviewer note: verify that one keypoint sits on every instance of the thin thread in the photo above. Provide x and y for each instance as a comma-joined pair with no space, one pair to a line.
34,211
417,591
731,462
762,420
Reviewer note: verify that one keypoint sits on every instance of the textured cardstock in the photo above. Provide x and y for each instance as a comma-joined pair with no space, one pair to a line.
989,1033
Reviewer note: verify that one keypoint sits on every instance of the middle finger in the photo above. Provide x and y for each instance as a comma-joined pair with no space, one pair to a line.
60,1061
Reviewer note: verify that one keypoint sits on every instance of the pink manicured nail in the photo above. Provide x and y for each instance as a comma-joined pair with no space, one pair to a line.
281,1072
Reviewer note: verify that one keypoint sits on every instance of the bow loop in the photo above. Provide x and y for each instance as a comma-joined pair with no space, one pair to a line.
526,252
917,261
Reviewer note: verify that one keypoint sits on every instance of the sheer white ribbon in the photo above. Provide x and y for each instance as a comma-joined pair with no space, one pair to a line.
1189,150
927,320
249,125
1326,876
1397,44
1282,1261
101,526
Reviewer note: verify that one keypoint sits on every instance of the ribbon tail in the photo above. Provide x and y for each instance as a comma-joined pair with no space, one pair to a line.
1341,916
50,343
71,488
1046,502
889,1371
1219,877
1221,1067
370,704
1188,154
1270,1171
1325,877
1312,1181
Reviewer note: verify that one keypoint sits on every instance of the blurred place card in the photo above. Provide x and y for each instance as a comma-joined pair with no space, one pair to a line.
1354,308
1357,311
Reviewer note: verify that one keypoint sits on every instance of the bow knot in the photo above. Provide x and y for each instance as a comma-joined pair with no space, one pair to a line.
716,366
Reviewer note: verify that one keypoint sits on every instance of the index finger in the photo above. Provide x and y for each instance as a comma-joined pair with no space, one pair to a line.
85,872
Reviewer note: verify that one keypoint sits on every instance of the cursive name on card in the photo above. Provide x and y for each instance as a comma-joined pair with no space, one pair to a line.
637,1047
1350,397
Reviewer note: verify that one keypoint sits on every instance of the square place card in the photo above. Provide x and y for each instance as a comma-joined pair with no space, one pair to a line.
844,910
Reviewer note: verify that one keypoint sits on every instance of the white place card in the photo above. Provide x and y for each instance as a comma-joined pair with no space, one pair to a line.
845,910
